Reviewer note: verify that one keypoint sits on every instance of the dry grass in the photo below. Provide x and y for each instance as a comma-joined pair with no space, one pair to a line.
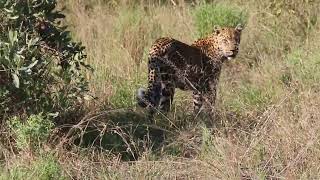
118,39
267,125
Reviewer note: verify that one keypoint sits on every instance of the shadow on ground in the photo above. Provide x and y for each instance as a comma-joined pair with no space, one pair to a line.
130,134
124,132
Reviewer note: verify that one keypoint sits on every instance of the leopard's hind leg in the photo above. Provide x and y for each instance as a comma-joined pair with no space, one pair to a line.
167,93
150,97
161,87
198,101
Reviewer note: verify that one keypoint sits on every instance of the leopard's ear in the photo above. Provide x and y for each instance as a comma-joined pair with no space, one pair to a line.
216,29
239,27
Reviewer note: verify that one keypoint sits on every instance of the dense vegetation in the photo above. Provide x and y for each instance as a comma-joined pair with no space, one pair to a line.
267,120
40,64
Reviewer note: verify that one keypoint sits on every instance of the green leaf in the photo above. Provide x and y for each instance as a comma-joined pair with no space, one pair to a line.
29,67
76,57
8,10
13,37
32,42
13,17
88,97
16,80
32,64
54,115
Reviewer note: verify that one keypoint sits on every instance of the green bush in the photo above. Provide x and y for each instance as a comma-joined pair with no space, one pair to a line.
43,168
47,167
41,67
31,133
207,16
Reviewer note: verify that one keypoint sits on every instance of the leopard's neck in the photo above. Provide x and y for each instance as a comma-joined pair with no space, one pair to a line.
209,47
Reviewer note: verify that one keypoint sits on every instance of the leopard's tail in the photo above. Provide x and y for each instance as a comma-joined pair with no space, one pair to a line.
141,97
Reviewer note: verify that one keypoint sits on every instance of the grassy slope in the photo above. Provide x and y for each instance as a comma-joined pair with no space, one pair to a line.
267,123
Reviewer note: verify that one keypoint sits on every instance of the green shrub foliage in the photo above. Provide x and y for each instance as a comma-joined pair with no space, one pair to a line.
44,167
32,133
208,16
41,68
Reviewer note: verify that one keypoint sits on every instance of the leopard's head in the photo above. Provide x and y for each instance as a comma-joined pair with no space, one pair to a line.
227,41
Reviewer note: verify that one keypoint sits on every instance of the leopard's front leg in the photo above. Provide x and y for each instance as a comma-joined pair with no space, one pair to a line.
211,94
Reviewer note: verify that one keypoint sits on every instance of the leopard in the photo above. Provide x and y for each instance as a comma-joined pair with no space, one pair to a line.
173,64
